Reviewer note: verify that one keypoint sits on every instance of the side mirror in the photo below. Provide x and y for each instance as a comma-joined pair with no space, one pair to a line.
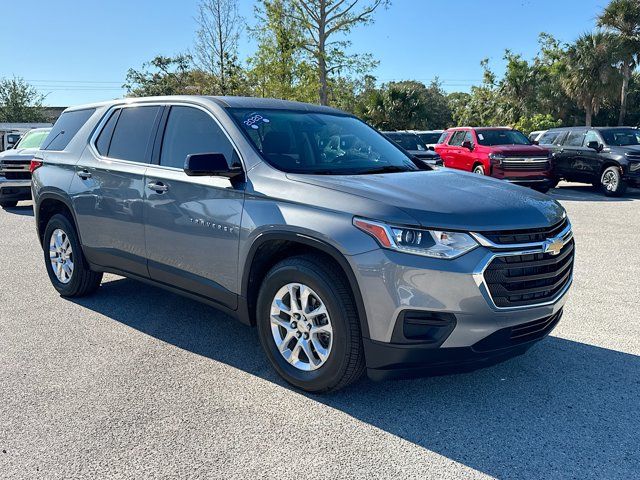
535,142
595,145
210,165
467,144
432,148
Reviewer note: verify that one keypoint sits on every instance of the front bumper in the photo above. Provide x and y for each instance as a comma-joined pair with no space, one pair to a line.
394,283
15,190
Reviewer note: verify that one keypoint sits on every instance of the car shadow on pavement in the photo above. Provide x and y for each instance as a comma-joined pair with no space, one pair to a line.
565,409
587,193
25,210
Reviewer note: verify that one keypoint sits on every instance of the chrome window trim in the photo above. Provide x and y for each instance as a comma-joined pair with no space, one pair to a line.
107,115
529,248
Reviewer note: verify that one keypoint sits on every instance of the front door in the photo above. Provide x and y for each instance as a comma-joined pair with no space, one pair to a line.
454,151
107,191
192,224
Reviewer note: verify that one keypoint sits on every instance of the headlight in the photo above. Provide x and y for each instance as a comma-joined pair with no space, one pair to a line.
634,166
428,243
496,158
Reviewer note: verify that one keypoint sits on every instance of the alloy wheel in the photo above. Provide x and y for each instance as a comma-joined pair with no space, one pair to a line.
301,326
610,180
61,256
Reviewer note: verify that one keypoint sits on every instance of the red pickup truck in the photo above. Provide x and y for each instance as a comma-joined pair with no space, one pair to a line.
500,152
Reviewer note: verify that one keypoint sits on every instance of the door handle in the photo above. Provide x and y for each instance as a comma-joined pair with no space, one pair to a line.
157,187
84,174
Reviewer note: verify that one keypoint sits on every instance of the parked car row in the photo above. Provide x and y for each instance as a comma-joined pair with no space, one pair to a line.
346,252
414,144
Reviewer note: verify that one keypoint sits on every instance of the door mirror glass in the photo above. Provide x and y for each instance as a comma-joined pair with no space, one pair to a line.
467,144
210,165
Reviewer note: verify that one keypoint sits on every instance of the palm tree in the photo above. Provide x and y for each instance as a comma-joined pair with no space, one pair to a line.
623,18
590,78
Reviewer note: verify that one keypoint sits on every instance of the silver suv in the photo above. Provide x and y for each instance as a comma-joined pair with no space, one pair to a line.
306,222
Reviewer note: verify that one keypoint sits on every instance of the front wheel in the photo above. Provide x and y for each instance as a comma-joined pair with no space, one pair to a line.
479,169
308,325
611,182
67,268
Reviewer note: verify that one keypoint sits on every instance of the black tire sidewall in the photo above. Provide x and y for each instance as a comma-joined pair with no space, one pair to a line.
329,374
63,223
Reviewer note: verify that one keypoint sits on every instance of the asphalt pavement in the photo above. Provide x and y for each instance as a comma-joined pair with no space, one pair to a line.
135,382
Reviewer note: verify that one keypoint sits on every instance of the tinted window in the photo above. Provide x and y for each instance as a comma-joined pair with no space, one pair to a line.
457,138
188,131
104,139
591,136
468,138
429,138
621,136
575,138
408,141
66,128
320,143
443,137
551,137
501,137
132,134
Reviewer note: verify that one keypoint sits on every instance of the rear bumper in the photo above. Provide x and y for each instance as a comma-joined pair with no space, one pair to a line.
389,360
15,190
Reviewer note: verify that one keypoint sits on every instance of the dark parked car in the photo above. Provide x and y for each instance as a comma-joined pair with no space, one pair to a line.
607,157
415,146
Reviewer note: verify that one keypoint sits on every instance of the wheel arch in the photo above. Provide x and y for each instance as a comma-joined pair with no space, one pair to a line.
49,204
274,246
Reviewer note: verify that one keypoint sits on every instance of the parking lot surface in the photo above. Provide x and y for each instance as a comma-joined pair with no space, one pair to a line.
135,382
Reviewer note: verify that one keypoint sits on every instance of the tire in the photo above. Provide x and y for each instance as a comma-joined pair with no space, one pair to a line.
344,363
81,281
611,182
479,169
8,204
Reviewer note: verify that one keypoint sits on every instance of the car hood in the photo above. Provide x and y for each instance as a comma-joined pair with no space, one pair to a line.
629,149
449,199
19,154
511,150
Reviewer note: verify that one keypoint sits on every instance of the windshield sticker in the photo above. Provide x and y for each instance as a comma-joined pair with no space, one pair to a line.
254,120
480,136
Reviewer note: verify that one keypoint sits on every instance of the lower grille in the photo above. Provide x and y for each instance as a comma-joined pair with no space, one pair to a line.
522,280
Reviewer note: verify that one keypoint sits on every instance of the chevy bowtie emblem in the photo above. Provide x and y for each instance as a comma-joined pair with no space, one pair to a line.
553,246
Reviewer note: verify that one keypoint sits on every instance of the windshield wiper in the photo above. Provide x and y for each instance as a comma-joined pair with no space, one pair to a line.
385,169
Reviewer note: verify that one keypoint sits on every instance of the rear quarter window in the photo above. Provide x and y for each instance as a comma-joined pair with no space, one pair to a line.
66,128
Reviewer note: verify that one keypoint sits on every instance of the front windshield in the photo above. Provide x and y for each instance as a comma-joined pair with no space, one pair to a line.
33,139
408,141
491,137
621,136
320,143
430,138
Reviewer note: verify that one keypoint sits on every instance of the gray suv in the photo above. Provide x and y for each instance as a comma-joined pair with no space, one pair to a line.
302,220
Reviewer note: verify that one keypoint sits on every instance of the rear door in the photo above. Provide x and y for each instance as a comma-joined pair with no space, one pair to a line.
454,150
108,189
192,224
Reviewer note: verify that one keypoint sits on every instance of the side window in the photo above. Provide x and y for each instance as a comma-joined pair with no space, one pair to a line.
457,138
104,139
591,136
468,137
66,128
132,134
188,131
549,138
575,138
443,137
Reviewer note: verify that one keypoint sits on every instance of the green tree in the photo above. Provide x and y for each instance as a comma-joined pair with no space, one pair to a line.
278,69
20,102
590,78
325,24
536,122
623,18
216,46
164,76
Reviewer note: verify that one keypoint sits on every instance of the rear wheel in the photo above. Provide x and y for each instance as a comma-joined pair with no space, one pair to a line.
308,325
479,169
611,182
67,268
8,204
